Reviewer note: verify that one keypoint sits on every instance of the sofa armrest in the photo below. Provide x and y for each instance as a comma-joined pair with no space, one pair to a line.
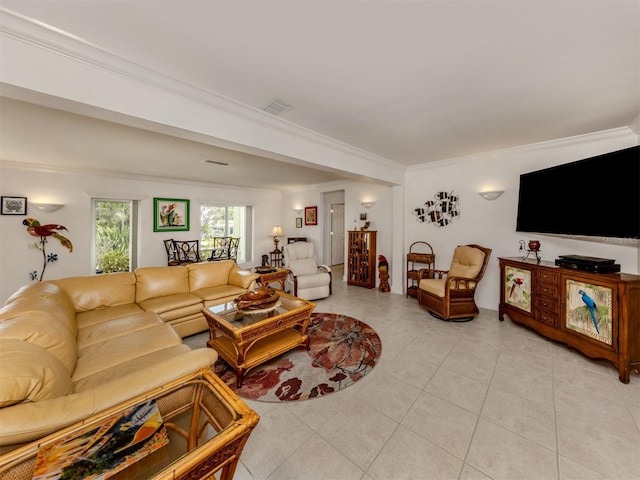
26,422
326,268
242,278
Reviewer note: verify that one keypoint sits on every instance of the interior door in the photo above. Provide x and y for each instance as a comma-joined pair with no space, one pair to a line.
337,233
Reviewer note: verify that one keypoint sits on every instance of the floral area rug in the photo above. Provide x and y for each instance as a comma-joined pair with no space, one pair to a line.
342,351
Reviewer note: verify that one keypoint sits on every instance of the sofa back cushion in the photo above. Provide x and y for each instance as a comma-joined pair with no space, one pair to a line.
209,274
99,291
467,262
46,307
46,332
30,373
155,282
47,291
303,266
298,251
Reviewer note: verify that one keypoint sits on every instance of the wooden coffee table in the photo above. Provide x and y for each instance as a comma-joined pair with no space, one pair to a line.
245,340
277,275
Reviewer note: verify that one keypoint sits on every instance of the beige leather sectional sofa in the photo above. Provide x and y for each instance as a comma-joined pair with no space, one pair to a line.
72,347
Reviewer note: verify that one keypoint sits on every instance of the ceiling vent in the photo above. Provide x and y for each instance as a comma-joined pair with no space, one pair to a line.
277,106
215,162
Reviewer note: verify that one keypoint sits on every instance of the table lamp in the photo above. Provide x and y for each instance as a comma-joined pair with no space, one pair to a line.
275,233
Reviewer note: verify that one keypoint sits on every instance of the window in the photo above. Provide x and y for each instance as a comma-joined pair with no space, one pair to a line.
114,236
225,221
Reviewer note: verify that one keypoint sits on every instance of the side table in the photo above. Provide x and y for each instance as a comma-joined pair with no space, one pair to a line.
208,427
279,275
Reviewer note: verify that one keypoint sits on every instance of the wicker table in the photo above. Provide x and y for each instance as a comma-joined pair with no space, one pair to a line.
277,275
208,427
245,340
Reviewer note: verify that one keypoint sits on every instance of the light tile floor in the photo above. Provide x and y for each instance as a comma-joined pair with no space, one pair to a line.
478,400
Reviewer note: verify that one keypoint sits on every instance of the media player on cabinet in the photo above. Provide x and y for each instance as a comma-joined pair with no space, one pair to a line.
597,314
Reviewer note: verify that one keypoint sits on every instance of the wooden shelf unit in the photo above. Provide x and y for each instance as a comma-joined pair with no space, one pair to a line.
362,258
547,299
417,260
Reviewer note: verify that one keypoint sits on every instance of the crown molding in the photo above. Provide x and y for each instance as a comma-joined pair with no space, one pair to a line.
47,37
31,167
620,133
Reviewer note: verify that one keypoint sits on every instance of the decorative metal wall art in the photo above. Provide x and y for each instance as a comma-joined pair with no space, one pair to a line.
440,211
44,232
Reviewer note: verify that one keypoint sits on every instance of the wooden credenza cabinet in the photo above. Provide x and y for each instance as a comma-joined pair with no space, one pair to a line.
362,258
597,314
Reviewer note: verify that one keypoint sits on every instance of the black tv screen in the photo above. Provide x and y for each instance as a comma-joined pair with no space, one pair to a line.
598,196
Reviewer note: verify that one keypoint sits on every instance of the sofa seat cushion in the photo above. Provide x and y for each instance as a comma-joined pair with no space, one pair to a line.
116,372
30,373
37,328
218,293
158,282
115,351
434,286
98,291
101,315
99,332
173,306
315,280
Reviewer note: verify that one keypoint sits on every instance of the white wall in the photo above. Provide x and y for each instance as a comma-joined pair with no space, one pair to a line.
488,223
75,192
380,216
635,125
492,223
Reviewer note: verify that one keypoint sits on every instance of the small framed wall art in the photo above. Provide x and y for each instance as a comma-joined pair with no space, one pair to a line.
170,215
299,222
14,205
311,215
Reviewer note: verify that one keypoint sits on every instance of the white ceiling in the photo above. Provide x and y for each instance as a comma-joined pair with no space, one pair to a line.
411,81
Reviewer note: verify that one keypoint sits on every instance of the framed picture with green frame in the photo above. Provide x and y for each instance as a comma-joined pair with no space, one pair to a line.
170,215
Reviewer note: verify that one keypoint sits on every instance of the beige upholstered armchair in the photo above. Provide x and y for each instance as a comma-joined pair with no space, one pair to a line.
308,280
449,294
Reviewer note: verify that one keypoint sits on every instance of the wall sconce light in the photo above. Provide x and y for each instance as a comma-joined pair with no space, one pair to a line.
491,195
275,233
298,211
368,204
47,207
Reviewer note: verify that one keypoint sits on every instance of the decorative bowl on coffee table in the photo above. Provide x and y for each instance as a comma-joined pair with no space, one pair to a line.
262,299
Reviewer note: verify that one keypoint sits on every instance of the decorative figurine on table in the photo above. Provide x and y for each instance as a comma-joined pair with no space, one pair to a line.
383,271
534,247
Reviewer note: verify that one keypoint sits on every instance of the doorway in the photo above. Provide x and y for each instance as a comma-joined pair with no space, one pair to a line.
334,230
337,234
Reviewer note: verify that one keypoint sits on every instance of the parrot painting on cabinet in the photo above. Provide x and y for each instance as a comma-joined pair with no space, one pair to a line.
591,305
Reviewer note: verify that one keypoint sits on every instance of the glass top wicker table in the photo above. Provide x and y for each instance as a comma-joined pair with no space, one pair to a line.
208,426
247,339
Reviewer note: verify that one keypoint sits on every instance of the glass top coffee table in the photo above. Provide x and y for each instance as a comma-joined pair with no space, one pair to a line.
247,339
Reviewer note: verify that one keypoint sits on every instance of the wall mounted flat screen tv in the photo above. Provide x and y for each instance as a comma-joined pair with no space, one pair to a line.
594,197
